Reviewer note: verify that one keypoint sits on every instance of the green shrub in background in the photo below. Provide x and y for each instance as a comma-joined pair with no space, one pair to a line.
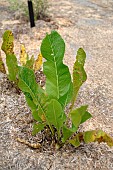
40,8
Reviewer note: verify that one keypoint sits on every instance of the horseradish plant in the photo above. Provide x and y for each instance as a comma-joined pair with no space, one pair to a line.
48,105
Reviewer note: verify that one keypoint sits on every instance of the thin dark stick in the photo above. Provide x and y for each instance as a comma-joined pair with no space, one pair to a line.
31,13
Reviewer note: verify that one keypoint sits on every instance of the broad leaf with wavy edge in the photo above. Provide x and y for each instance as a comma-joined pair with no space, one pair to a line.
33,92
79,74
58,77
79,115
27,83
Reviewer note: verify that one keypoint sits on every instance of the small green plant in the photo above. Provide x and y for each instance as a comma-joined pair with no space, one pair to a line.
48,106
40,8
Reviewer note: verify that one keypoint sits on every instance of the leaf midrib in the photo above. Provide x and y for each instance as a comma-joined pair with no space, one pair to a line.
29,88
38,103
52,47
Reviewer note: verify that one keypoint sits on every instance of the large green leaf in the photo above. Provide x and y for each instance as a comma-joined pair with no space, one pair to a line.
58,77
55,114
85,115
79,74
27,83
12,65
53,47
79,115
37,100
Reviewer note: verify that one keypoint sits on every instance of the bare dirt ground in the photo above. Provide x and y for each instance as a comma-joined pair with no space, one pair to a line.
87,24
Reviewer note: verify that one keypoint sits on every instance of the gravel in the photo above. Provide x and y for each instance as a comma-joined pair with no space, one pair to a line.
88,25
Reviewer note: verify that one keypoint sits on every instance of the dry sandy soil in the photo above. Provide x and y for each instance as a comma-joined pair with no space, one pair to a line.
87,24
